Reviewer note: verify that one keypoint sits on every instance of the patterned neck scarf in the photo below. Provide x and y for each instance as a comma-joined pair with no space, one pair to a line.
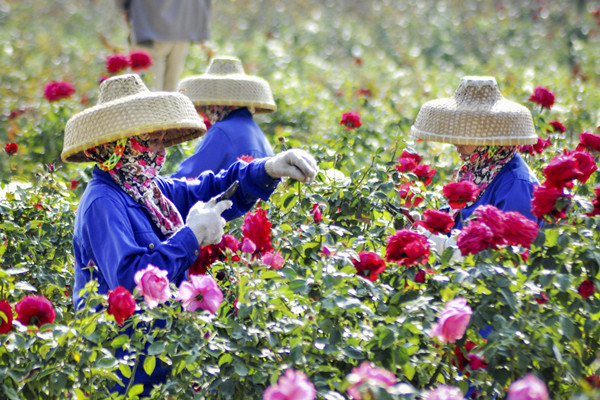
133,167
482,166
217,113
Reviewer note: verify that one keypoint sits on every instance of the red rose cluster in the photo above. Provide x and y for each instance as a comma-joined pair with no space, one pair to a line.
214,252
492,228
350,120
137,60
407,248
473,359
537,148
411,162
543,97
57,90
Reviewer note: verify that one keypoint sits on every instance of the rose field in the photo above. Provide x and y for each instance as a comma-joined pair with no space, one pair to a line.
326,290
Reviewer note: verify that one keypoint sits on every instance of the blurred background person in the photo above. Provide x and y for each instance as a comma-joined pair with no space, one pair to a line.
165,29
228,98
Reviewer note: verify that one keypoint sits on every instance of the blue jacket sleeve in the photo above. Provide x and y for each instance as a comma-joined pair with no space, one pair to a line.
117,250
212,154
255,184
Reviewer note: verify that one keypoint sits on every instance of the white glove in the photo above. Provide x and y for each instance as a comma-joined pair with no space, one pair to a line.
295,163
206,222
441,243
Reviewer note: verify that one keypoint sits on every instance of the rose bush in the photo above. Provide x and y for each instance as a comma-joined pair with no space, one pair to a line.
291,300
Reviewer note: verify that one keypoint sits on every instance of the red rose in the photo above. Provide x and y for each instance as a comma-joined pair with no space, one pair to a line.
11,148
594,381
537,148
561,170
545,201
519,230
407,248
557,126
257,228
595,203
116,63
6,317
460,193
585,164
139,60
461,360
317,213
211,253
15,113
474,237
121,304
408,154
54,91
493,219
420,276
424,172
436,221
405,164
35,310
588,141
586,289
363,92
476,363
543,97
542,298
406,193
75,184
350,120
369,265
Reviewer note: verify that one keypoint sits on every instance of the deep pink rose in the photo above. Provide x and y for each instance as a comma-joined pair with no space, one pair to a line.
54,91
116,63
410,199
545,201
11,148
588,141
543,97
424,172
414,156
201,291
292,385
407,248
121,304
528,388
420,276
519,230
460,193
257,228
248,246
370,375
369,265
139,60
444,393
317,213
6,317
153,284
476,362
493,219
35,310
586,289
537,148
557,126
436,221
350,120
585,163
273,259
453,321
542,298
474,237
405,164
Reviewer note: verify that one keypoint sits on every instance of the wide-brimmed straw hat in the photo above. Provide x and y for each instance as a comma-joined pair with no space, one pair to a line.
226,84
477,114
127,108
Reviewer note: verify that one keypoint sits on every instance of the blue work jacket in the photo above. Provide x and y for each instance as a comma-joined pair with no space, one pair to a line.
118,236
511,190
227,140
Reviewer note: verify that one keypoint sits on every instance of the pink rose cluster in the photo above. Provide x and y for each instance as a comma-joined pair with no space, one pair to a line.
492,228
366,376
292,385
453,321
58,90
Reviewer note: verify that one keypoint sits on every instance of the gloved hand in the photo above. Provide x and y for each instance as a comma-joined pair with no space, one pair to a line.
206,222
295,163
440,243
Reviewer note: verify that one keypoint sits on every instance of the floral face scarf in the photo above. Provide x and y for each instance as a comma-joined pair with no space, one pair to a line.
482,166
133,167
216,113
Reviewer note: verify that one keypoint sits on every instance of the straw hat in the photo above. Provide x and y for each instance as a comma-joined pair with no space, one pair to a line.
476,114
127,108
226,84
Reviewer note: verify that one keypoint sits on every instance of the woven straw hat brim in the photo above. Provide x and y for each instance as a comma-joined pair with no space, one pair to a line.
131,116
229,90
501,123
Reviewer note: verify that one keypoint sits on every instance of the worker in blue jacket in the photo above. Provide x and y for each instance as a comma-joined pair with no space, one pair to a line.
128,216
228,98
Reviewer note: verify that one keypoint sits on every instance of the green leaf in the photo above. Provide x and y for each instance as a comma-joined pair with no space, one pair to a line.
225,359
125,370
156,348
240,368
135,390
119,341
149,364
409,371
567,327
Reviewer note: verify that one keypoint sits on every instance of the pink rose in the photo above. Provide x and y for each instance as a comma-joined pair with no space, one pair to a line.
370,375
292,385
528,388
453,321
444,393
153,284
273,259
519,230
543,97
202,291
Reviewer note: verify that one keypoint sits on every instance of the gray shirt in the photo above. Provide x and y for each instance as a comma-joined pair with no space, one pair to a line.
167,20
